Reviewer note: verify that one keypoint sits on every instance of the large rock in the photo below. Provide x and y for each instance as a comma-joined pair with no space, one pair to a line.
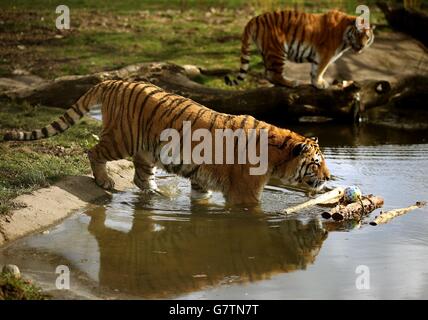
11,269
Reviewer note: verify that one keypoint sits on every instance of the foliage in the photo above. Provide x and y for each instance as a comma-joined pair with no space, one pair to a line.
12,288
25,166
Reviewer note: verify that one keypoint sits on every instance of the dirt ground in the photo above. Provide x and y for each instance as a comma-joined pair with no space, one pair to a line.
48,206
392,55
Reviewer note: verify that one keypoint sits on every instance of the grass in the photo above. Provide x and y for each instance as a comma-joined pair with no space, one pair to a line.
27,166
106,35
12,288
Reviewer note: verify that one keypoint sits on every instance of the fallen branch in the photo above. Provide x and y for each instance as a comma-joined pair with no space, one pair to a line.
355,210
327,197
389,215
273,104
276,105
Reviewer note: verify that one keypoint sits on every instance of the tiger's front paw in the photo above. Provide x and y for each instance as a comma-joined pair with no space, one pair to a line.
152,191
148,187
106,183
321,84
200,195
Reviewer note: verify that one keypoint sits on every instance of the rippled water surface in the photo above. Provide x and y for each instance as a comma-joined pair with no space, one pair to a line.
135,246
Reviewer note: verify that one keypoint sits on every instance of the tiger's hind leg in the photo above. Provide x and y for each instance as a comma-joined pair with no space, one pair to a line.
198,192
144,177
98,157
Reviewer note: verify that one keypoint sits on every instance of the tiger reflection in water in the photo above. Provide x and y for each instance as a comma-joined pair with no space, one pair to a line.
166,257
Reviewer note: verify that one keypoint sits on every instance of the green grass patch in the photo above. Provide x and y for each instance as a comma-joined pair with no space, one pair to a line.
12,288
124,5
110,34
26,166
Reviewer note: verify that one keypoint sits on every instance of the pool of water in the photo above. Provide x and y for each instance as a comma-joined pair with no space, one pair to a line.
158,247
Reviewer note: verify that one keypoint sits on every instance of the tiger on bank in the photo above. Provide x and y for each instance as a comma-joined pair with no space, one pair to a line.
319,39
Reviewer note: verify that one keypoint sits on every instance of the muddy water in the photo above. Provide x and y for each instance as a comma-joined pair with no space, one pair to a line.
157,247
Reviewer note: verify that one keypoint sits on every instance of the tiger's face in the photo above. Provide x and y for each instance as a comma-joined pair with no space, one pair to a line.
307,167
360,39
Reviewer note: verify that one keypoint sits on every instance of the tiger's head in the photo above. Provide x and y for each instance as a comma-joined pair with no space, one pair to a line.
304,165
359,38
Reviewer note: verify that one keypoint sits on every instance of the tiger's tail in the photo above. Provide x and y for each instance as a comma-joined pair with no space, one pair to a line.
91,98
245,57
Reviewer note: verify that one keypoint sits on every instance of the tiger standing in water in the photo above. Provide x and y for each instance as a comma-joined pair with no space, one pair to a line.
301,37
135,114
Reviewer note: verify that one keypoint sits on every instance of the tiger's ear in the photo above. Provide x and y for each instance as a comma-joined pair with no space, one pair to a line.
315,139
299,149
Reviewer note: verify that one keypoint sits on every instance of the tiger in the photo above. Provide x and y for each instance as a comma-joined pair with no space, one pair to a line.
300,37
134,114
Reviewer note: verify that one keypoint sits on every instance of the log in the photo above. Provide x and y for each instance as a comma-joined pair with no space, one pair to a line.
385,217
355,210
410,93
328,197
273,104
62,92
277,105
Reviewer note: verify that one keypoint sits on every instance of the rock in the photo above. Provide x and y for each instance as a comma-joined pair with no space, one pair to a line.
7,84
19,80
191,71
12,270
20,72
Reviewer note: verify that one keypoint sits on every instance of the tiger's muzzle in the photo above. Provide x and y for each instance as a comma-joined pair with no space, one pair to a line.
358,48
315,184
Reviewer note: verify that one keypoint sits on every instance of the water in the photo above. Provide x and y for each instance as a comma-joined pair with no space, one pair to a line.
155,247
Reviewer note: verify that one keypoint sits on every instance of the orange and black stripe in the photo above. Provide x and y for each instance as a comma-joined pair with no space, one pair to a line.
292,35
68,119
